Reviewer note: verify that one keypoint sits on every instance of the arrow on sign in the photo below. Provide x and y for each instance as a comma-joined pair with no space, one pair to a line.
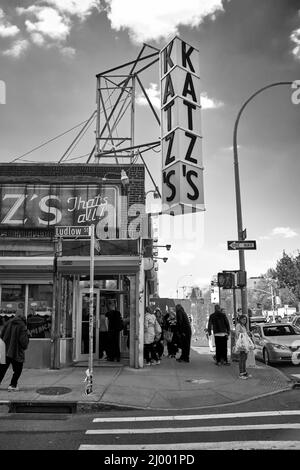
241,245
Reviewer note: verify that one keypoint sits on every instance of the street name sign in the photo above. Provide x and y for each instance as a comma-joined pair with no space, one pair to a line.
72,231
241,245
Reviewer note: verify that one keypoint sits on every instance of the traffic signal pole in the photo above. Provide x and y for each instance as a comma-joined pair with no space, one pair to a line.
239,212
238,191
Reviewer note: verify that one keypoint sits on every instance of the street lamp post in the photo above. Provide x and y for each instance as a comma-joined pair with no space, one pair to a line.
241,233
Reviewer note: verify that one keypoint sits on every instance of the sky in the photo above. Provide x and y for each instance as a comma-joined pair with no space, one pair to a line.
51,51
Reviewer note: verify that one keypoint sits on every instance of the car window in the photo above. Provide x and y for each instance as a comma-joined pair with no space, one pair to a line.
279,330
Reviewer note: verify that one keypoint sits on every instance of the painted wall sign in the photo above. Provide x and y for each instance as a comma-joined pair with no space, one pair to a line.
182,166
45,206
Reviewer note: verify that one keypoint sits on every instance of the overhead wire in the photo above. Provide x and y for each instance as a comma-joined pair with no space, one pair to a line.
78,138
48,141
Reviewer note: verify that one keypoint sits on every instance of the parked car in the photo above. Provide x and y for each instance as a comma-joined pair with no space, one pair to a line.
276,342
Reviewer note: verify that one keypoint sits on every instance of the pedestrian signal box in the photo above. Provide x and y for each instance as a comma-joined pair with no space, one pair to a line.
226,280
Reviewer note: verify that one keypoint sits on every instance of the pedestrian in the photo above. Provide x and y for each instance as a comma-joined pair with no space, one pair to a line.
103,336
170,333
159,338
150,355
211,340
184,332
115,326
16,338
218,322
241,329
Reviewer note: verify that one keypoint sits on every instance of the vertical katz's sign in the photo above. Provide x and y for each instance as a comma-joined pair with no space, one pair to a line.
182,169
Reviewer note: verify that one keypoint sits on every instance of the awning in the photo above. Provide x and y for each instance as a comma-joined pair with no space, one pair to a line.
29,269
102,264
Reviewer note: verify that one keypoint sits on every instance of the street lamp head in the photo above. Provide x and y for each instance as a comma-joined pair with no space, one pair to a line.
168,247
165,260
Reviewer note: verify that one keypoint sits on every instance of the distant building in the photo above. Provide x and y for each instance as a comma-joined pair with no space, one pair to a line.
254,282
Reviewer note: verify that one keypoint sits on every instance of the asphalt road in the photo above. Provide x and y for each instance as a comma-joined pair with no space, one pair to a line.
217,431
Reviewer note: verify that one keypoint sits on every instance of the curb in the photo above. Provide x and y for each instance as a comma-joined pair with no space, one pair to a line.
86,408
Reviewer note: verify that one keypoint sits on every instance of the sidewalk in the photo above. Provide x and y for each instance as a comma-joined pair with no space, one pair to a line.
168,386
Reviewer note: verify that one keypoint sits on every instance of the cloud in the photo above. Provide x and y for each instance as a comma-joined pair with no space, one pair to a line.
210,103
69,52
158,19
153,94
286,232
80,8
7,30
295,38
47,23
184,258
17,48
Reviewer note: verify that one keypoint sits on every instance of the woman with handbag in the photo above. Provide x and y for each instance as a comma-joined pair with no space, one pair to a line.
242,345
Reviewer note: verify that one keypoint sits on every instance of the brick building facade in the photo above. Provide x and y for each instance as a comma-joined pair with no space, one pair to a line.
48,277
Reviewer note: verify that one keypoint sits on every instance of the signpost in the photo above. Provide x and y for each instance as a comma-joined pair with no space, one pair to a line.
89,385
78,231
241,245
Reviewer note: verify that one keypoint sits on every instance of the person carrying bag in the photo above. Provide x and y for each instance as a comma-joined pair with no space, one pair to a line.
243,344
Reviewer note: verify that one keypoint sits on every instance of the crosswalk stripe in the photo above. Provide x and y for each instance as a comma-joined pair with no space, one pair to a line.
198,417
227,445
245,427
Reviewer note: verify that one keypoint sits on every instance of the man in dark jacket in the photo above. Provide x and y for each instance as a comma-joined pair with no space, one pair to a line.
115,326
218,322
184,331
16,338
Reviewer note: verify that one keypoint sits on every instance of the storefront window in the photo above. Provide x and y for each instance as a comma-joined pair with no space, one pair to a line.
101,282
129,304
39,310
12,300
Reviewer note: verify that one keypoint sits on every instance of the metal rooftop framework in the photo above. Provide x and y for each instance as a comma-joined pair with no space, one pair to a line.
115,116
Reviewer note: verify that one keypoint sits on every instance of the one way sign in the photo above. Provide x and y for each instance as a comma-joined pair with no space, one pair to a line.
241,245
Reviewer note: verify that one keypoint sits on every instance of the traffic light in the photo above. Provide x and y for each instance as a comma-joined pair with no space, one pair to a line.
226,280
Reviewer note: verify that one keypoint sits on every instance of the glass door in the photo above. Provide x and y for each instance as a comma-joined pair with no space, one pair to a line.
83,327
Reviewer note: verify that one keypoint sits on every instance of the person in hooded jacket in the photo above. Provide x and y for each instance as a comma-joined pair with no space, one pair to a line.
16,338
218,322
184,331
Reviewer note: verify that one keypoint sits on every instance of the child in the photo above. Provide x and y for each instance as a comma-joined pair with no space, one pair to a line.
241,328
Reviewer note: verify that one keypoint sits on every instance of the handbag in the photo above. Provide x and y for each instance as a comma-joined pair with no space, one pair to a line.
243,343
168,336
2,352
